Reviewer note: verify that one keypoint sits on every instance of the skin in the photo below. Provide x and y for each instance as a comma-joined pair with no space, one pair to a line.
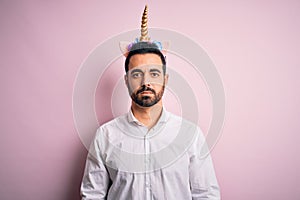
145,71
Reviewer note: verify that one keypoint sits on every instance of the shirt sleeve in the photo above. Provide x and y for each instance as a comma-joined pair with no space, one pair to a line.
95,182
203,182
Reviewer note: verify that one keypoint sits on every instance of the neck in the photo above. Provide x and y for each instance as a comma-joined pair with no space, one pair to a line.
147,115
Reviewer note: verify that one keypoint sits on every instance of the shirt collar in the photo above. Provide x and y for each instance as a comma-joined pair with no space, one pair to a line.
163,118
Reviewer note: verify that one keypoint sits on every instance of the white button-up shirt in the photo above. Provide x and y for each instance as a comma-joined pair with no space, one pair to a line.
128,161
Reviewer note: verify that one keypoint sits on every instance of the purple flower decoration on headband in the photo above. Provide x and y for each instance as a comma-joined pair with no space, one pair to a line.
131,44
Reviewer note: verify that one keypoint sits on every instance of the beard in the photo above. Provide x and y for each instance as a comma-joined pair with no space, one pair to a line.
147,101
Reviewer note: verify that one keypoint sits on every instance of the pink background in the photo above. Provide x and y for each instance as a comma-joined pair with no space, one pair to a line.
254,44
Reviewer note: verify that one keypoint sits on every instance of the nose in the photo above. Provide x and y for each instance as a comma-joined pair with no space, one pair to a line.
146,79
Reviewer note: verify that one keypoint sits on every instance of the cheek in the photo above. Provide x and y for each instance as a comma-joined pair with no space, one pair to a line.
157,87
158,83
133,85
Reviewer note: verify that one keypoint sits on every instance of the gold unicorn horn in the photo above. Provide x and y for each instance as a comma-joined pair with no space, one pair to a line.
144,26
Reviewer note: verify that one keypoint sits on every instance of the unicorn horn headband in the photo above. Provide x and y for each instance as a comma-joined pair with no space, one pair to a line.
126,46
144,26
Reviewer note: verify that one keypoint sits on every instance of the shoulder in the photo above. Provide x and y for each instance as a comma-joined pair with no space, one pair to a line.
181,122
113,122
113,125
187,130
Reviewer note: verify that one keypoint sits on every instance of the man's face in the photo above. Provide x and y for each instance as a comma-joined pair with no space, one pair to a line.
145,79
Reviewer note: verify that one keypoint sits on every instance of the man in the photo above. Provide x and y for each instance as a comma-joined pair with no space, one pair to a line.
148,153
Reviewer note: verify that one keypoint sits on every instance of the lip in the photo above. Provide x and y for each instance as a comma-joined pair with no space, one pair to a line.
146,92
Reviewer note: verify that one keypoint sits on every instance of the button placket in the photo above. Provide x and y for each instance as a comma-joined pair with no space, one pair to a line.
147,163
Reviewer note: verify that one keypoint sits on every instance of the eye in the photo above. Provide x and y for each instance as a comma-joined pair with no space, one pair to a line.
137,75
155,74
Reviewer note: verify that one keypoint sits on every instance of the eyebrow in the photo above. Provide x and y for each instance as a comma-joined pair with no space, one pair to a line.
139,70
135,70
155,70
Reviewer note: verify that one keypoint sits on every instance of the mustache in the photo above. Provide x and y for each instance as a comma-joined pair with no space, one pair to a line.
145,88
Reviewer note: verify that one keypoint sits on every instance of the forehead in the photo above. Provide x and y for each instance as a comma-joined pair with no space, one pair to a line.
144,59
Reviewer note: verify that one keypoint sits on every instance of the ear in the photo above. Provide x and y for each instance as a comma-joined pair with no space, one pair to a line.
124,47
126,80
165,46
166,78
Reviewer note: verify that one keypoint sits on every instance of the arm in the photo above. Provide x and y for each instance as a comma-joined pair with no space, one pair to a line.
203,182
95,182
